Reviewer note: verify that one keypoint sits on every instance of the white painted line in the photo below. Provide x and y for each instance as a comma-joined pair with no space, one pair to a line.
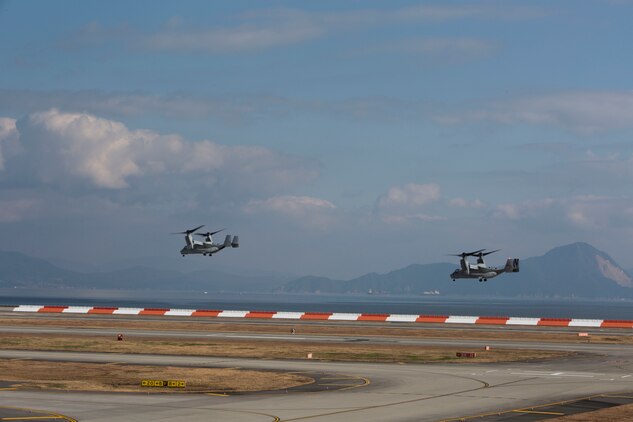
522,321
402,318
288,315
344,317
28,308
233,314
289,337
77,309
555,374
180,312
462,319
127,311
585,323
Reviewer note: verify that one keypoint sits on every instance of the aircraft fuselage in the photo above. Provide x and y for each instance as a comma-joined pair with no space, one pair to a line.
201,248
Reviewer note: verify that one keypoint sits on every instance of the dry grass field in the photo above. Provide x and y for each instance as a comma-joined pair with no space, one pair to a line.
32,374
266,349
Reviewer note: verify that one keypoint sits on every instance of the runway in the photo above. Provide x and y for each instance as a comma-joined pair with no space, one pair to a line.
394,392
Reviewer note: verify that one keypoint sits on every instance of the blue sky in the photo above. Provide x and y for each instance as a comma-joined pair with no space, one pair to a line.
336,138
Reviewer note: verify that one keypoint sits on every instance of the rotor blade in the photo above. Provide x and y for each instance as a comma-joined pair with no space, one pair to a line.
465,254
488,253
209,233
474,253
190,231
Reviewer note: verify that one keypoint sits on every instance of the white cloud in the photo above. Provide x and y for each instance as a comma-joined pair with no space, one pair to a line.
8,137
454,49
524,209
14,210
65,149
65,145
405,218
464,203
587,212
409,195
259,167
94,33
406,202
233,108
245,37
581,111
615,166
422,13
270,28
7,128
306,210
290,205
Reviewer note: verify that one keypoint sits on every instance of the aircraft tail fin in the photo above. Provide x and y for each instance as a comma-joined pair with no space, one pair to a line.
236,242
512,265
227,241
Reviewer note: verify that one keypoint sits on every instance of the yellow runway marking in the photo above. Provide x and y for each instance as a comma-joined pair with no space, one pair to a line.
366,382
350,387
32,418
538,412
527,410
217,394
340,385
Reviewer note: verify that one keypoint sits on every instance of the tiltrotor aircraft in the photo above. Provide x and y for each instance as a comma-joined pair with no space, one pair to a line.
480,270
206,247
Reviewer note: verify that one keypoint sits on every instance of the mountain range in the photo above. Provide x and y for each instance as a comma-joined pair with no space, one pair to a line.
18,270
574,270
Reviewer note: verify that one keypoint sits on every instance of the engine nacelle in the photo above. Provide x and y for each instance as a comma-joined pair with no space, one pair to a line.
236,242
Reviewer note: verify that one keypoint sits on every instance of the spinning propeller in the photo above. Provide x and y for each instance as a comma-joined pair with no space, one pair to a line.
481,254
208,234
465,254
188,232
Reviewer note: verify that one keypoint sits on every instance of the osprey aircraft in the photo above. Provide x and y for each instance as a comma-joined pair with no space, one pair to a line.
206,247
480,270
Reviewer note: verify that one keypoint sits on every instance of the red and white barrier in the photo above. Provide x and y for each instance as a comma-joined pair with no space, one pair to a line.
332,316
